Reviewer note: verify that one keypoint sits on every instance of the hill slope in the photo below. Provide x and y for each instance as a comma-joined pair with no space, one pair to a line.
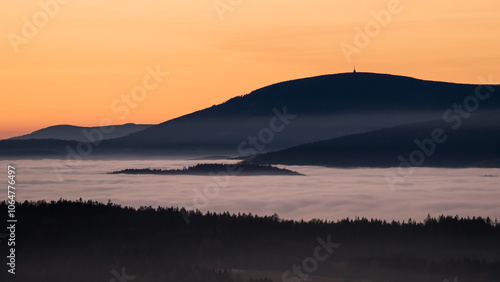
476,142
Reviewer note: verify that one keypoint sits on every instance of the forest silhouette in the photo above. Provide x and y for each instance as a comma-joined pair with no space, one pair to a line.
85,240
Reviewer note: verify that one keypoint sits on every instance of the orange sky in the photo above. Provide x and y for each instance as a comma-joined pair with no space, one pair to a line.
87,54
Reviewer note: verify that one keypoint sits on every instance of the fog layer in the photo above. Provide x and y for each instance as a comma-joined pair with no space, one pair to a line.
325,193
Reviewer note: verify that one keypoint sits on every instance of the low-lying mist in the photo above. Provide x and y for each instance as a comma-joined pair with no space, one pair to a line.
325,193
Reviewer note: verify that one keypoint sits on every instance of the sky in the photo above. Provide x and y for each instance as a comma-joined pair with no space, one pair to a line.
92,63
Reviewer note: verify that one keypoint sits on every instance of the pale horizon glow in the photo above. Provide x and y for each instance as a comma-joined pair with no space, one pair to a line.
92,52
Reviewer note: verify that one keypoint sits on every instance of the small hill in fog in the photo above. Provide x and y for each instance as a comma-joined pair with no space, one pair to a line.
240,169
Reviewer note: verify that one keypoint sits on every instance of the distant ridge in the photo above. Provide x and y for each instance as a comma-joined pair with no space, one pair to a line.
75,133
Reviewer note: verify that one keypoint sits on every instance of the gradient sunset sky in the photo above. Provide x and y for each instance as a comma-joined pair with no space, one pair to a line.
89,53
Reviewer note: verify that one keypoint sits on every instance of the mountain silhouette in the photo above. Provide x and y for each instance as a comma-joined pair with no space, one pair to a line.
76,133
475,143
291,113
325,107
